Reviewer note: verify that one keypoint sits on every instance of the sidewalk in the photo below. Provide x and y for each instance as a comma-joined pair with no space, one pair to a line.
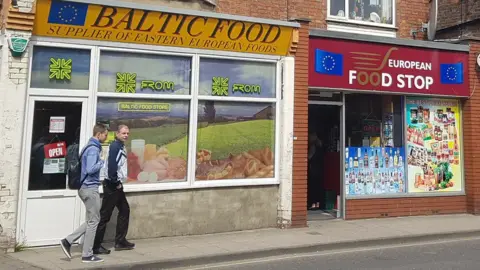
183,251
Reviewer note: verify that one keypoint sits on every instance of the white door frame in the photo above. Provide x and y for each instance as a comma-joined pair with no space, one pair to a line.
24,194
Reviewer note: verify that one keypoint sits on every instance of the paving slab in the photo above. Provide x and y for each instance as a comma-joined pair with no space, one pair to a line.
170,252
8,262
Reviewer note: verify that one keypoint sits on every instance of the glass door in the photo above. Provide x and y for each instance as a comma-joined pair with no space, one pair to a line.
49,209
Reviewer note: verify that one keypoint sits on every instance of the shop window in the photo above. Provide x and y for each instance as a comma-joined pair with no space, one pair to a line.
369,11
235,140
234,78
375,153
236,113
60,68
158,143
433,145
122,72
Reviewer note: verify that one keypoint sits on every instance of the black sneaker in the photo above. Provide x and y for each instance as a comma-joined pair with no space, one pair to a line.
66,247
101,250
92,259
129,244
124,245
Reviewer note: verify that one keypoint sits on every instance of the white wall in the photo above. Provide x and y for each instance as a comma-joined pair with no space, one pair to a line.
13,77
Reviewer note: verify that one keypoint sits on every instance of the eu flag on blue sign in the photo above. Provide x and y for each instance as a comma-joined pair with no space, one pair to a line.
328,63
67,13
451,73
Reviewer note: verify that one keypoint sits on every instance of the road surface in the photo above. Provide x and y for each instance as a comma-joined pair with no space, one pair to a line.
438,255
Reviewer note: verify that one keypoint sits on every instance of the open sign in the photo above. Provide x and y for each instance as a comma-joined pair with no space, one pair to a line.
371,128
55,150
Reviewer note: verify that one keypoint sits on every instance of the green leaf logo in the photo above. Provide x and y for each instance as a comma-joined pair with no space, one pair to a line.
219,86
126,82
60,69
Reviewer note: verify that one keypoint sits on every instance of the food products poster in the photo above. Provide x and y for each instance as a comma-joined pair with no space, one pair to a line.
433,145
374,170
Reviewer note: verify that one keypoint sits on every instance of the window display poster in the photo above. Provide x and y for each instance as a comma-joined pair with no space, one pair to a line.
157,145
374,170
53,165
433,145
235,140
57,124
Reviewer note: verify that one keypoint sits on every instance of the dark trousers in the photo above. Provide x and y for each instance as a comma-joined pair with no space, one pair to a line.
113,197
315,181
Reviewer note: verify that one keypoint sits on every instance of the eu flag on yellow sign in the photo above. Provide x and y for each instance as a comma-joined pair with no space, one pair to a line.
68,13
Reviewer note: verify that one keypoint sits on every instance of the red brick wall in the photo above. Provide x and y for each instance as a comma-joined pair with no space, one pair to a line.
378,208
270,9
453,12
313,10
411,15
471,129
300,130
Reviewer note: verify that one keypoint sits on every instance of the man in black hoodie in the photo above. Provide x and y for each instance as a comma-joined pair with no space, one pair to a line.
114,196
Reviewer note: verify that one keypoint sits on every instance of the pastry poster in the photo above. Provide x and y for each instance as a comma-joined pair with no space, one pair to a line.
374,170
235,140
433,145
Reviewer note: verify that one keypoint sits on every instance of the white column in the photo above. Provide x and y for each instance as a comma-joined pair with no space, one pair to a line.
286,143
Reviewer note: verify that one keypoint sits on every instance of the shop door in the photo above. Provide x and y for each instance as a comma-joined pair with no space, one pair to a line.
50,210
324,174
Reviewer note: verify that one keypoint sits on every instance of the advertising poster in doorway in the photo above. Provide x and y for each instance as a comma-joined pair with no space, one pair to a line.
433,145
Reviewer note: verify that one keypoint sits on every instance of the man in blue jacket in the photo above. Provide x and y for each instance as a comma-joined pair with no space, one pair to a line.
114,196
88,192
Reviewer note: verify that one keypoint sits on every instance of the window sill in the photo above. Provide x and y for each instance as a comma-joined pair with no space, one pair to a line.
362,23
130,188
359,27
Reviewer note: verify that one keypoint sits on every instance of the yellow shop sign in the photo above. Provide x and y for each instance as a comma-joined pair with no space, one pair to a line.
55,18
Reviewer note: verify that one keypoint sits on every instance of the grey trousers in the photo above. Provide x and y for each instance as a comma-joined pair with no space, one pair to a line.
91,199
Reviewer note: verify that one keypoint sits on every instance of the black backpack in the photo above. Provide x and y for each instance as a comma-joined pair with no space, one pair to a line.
74,166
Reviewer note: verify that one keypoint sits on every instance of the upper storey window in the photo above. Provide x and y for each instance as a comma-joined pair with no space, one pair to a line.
367,12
